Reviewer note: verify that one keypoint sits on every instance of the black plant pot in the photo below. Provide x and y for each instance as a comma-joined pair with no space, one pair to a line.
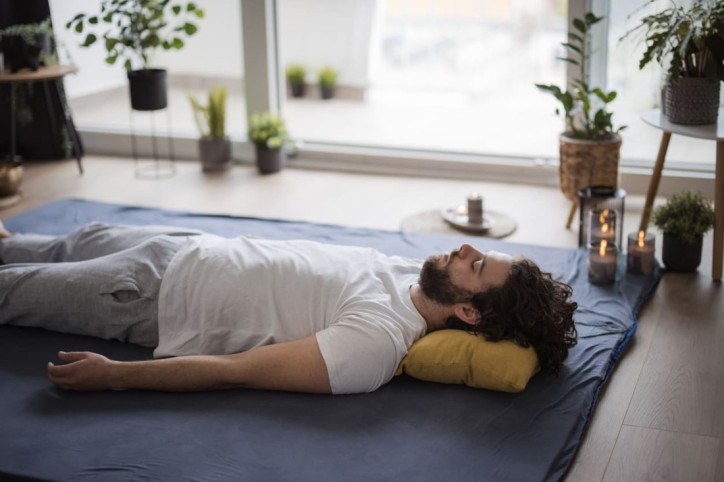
681,256
327,91
148,89
19,54
270,161
298,89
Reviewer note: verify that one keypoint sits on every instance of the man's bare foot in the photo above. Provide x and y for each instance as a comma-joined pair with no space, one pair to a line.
4,233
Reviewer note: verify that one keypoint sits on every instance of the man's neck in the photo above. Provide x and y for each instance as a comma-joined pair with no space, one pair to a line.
433,313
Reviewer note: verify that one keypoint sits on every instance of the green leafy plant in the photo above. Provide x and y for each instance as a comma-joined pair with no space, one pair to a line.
686,42
211,118
685,215
327,77
296,74
267,130
28,31
32,34
134,29
584,108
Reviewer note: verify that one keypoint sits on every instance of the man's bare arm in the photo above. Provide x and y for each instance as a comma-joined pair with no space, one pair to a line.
293,366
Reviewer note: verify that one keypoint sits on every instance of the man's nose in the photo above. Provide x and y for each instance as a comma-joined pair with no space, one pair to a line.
467,250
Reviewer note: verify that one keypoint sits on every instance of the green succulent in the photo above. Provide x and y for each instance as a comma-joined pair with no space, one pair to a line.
327,77
296,74
685,215
267,130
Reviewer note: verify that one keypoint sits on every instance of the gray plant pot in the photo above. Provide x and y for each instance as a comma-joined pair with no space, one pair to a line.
692,101
681,256
215,154
270,161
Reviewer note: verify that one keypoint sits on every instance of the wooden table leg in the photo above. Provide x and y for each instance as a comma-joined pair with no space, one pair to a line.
716,267
655,179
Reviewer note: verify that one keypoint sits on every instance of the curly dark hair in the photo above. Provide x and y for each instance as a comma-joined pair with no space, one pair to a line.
531,308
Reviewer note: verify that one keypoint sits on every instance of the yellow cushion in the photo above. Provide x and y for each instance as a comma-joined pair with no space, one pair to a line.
456,356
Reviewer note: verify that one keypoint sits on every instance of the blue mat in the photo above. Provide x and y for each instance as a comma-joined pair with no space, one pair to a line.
407,430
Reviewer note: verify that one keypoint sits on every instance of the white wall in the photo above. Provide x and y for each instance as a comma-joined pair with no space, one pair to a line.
94,74
216,49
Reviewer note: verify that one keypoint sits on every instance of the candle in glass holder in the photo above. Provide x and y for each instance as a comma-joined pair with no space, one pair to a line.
602,259
640,256
475,209
602,226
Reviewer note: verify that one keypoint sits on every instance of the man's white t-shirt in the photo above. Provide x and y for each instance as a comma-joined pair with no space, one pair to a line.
221,296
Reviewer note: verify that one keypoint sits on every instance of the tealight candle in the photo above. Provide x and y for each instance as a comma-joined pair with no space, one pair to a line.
602,226
640,255
475,209
602,259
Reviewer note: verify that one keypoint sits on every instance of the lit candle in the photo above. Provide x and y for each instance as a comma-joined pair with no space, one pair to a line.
640,256
602,226
602,260
475,209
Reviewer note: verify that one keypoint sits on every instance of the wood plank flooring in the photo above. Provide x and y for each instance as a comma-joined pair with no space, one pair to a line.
660,416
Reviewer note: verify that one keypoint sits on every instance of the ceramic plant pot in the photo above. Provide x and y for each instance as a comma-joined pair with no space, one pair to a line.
270,161
215,154
147,89
692,101
678,255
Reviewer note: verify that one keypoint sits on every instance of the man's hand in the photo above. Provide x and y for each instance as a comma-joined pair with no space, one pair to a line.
84,371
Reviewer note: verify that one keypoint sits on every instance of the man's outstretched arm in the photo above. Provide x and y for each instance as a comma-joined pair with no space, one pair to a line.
293,366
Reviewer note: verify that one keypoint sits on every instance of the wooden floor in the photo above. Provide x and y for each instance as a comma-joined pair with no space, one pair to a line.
661,415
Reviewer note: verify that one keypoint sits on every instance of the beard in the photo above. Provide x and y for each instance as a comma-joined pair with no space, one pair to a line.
436,284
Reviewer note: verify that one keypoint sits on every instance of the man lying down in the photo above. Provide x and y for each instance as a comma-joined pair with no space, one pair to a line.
279,315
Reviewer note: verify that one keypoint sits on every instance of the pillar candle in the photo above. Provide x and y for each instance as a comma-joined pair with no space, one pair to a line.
602,259
640,255
475,209
602,226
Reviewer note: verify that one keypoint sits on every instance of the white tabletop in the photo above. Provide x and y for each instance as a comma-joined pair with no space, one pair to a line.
709,131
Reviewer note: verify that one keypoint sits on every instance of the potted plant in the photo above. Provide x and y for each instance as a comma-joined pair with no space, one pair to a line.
269,135
327,82
684,220
214,145
295,76
134,30
689,44
27,45
590,146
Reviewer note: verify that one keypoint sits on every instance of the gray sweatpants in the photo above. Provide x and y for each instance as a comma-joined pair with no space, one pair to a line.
100,280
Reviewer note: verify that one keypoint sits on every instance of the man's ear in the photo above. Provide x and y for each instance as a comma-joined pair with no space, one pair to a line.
467,313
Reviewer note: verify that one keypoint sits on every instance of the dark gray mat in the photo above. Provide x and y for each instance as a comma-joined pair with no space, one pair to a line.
407,430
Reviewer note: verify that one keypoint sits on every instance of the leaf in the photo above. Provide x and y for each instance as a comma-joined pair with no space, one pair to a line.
178,43
574,36
191,7
93,20
89,40
572,47
176,9
79,27
127,65
190,28
570,61
579,25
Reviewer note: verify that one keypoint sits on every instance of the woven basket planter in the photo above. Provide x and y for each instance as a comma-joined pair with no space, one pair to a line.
587,163
692,101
